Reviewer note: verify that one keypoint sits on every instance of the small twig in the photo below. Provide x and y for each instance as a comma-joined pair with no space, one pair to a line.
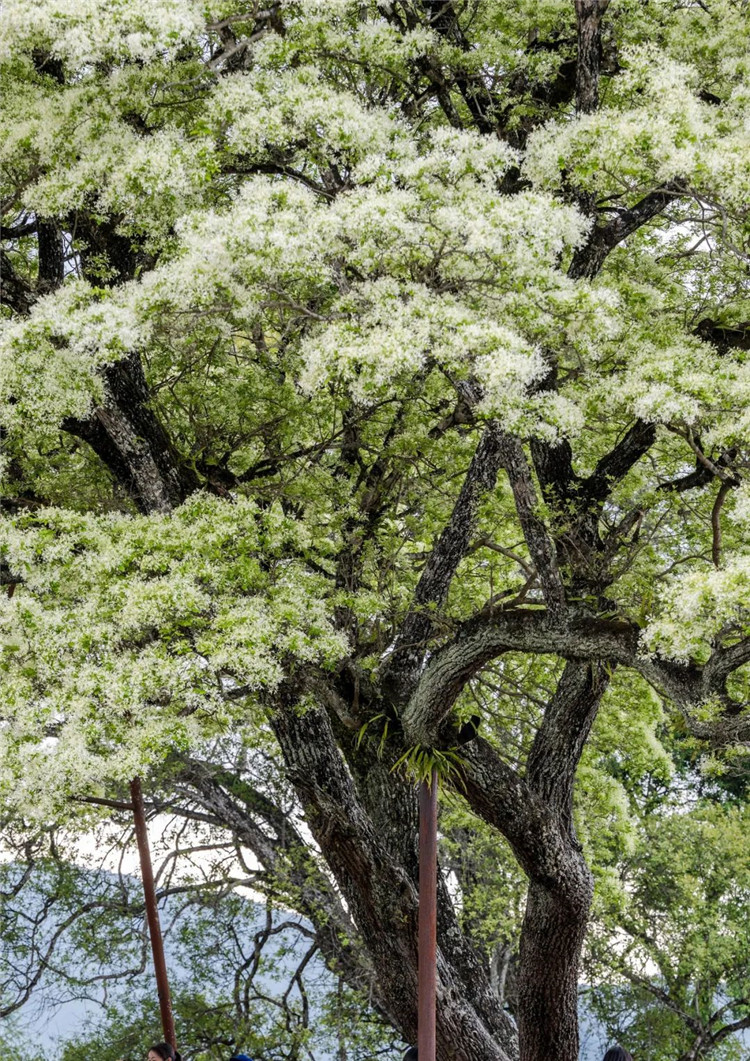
700,456
487,543
240,46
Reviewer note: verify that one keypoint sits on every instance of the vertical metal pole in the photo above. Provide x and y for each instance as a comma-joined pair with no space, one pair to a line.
152,913
427,918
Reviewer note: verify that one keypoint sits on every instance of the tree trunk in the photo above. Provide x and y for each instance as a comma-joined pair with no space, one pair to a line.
382,899
551,939
468,1005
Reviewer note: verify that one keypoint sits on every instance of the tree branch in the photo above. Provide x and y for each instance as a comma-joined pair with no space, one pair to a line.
497,794
589,14
479,101
235,803
724,489
486,637
14,290
51,256
127,435
725,337
721,663
23,228
559,742
615,465
588,260
453,544
513,459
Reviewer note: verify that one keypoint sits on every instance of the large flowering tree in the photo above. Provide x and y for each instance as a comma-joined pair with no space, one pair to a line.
367,368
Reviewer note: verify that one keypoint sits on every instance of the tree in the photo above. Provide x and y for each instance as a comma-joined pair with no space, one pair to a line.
358,359
245,971
682,946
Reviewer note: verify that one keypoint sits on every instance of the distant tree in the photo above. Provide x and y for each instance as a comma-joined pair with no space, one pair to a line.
675,972
13,1044
242,970
373,388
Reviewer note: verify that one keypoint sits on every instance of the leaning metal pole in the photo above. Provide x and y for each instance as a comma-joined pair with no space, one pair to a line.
427,975
152,913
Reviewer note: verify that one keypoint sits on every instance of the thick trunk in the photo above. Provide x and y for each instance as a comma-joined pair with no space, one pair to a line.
535,815
469,970
558,901
378,893
382,898
390,800
553,931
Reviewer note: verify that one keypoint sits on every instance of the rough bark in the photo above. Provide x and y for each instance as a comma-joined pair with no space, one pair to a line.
589,15
51,256
432,589
487,637
555,920
376,889
557,748
537,538
614,466
553,931
379,892
127,435
124,430
584,638
15,291
390,800
588,260
560,891
536,816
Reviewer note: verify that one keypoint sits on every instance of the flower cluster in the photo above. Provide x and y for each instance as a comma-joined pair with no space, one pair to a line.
700,608
132,635
49,362
653,129
89,31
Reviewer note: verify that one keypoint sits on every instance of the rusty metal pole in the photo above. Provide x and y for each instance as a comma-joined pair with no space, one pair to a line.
152,914
427,918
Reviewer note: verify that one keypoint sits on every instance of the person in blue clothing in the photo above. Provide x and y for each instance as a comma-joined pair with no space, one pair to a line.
240,1057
